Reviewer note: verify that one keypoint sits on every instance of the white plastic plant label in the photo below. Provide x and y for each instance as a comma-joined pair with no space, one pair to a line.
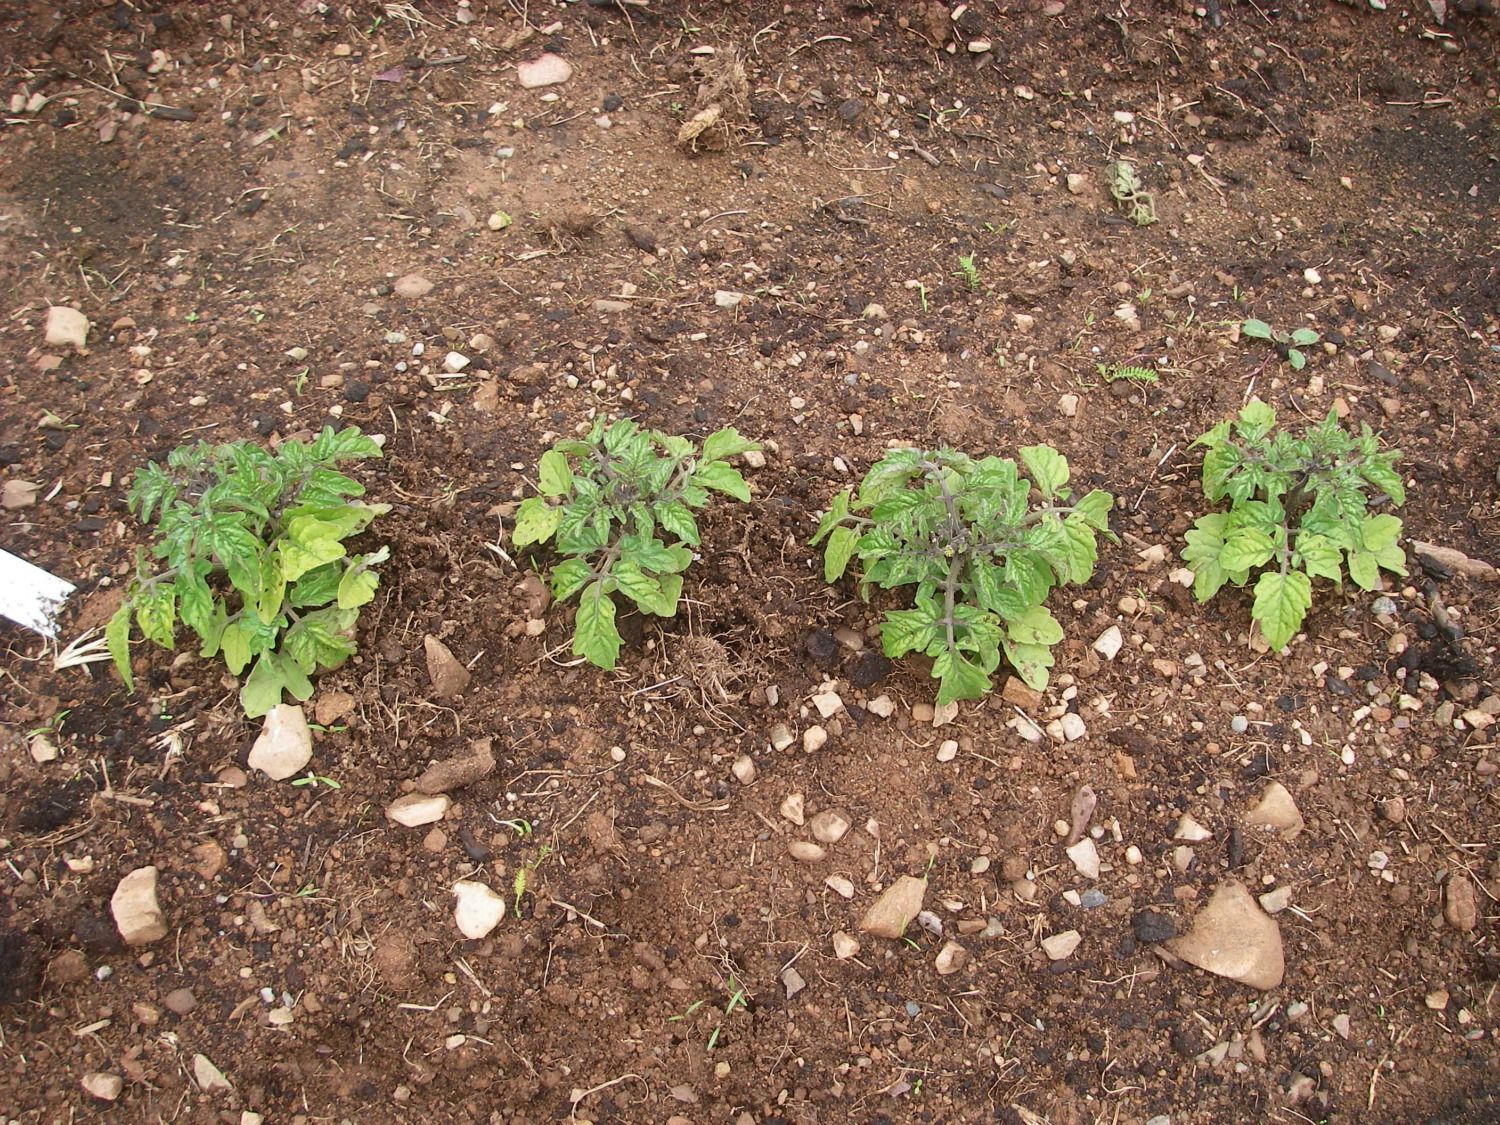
30,596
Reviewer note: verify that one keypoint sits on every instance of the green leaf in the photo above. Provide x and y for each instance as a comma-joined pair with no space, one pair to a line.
310,542
1304,336
554,476
272,586
317,587
1094,509
156,614
677,520
1082,551
838,509
666,603
536,521
1385,478
636,584
195,601
321,640
958,678
1036,627
595,637
1255,420
841,547
1281,604
342,445
718,476
1256,329
117,640
1320,557
1380,532
262,689
726,443
359,582
1047,468
1364,570
908,630
1246,548
1296,359
569,577
234,643
1032,663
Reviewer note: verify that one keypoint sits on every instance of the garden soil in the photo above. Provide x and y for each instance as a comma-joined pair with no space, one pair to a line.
278,216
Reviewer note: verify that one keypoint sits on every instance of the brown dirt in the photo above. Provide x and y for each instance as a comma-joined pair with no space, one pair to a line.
645,963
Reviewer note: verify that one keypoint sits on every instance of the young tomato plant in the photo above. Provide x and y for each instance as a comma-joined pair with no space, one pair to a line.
982,559
254,560
1289,344
607,502
1299,508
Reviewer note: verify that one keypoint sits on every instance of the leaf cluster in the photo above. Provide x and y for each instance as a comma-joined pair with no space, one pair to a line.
1298,505
982,559
1289,344
619,506
251,546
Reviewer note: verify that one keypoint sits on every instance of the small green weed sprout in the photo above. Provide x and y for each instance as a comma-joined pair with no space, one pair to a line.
1289,344
1298,507
606,502
256,563
981,558
968,272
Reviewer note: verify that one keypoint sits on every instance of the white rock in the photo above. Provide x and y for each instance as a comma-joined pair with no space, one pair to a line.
1274,902
840,885
105,1087
844,946
814,738
979,46
792,808
411,286
806,851
1190,831
1061,946
1109,642
417,809
828,703
284,746
781,737
947,751
136,911
1073,727
66,325
1085,857
890,914
1025,322
1077,182
478,909
743,769
950,959
1067,406
544,70
454,362
792,981
830,826
727,298
1231,937
1276,810
18,493
209,1077
882,707
944,713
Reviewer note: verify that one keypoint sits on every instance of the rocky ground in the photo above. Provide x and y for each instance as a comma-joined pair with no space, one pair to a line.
752,875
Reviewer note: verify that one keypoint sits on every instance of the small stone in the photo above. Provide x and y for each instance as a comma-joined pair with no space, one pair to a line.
449,677
890,914
947,751
1059,947
980,865
1231,937
1109,643
828,703
1276,810
412,286
1067,406
806,851
979,46
727,298
66,325
454,362
1133,856
1460,910
209,859
1190,831
875,312
882,707
1437,999
210,1078
477,763
284,746
950,959
830,826
332,706
1073,727
792,807
930,923
1274,902
844,946
1239,724
1016,693
498,220
545,70
792,981
417,809
814,739
478,909
137,913
1149,926
1085,857
1077,183
781,736
17,493
180,1001
1092,899
1341,1025
743,769
1393,809
840,885
435,841
1025,322
105,1087
68,967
